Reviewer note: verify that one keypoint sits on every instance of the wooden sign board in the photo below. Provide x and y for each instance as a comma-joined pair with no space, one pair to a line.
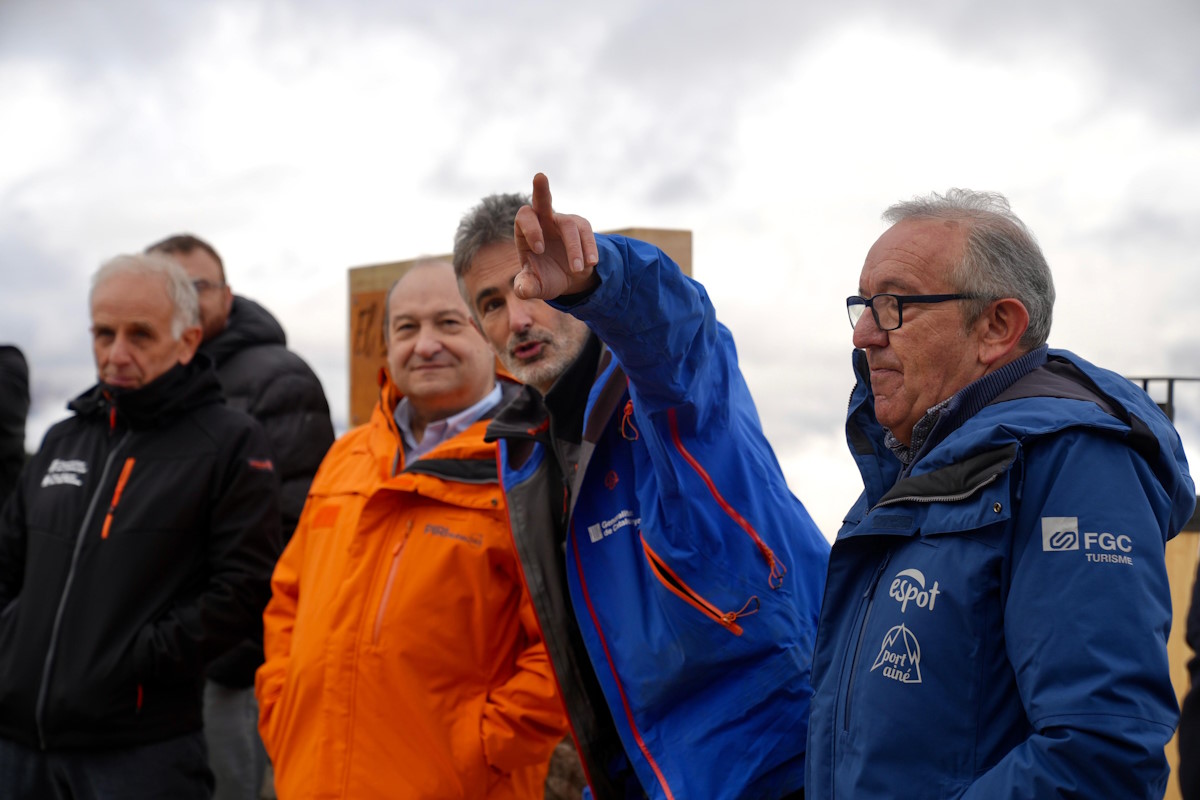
368,290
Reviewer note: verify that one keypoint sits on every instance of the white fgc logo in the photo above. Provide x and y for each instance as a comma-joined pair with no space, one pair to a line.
909,587
1060,533
1102,547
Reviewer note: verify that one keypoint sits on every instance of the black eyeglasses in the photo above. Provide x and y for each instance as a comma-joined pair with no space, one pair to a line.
888,309
203,286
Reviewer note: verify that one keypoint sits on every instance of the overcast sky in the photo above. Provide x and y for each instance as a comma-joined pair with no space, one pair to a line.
305,137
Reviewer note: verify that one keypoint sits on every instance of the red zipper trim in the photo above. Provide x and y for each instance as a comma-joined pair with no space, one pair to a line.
777,568
141,697
116,498
680,589
397,550
637,735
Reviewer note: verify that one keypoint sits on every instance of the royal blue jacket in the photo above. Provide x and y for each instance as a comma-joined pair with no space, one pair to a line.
675,576
995,621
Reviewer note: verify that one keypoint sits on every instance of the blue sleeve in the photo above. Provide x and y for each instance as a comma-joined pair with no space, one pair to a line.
662,328
717,483
1086,622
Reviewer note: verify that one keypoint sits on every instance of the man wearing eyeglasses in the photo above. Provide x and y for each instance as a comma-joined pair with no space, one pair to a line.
261,376
997,606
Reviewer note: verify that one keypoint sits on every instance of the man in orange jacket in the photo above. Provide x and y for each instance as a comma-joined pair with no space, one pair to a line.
402,656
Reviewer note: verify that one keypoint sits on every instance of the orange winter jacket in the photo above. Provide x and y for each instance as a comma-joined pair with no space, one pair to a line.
403,659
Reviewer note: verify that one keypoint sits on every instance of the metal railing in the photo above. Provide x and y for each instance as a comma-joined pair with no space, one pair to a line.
1168,407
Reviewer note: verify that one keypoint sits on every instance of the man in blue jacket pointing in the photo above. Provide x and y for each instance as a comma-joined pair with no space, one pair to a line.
675,577
997,608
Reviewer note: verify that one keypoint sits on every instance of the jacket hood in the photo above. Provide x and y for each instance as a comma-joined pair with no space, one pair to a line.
175,392
1068,392
249,324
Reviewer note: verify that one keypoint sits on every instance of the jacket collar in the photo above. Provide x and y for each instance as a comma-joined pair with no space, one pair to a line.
175,392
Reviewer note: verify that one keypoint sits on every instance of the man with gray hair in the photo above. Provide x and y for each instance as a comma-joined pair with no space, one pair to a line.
137,547
997,607
675,577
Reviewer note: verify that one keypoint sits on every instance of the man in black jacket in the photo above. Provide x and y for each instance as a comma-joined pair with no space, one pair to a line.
261,376
137,548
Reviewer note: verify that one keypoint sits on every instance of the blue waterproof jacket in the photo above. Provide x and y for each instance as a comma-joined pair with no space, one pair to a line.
995,622
675,576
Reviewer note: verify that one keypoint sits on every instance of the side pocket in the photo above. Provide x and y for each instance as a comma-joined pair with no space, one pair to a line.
668,578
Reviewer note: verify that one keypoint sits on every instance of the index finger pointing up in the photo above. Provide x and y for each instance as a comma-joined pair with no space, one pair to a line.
541,200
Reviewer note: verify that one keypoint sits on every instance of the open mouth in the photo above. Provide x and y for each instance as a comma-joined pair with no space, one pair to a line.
526,351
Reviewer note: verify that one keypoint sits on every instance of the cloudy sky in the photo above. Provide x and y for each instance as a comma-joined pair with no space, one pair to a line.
306,137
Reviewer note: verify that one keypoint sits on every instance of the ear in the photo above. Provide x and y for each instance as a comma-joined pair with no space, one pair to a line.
190,341
228,300
1000,328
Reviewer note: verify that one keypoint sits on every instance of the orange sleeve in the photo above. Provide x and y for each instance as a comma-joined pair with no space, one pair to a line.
279,620
523,720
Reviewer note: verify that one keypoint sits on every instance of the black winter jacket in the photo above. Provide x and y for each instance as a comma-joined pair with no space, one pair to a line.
260,376
14,407
138,547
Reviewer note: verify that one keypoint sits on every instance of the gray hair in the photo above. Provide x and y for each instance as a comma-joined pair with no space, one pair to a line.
1001,258
487,223
180,290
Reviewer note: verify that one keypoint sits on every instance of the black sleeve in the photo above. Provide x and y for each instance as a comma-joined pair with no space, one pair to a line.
14,407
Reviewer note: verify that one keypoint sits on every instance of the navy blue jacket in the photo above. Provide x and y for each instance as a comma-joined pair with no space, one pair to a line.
995,622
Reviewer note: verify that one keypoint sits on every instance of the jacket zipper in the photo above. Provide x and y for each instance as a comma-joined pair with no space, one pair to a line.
942,498
775,568
116,498
397,551
727,619
869,599
48,665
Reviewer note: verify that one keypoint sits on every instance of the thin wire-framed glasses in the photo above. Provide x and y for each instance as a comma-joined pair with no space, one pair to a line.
888,308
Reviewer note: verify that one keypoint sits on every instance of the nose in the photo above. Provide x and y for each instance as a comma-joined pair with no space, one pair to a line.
520,317
428,344
867,333
119,352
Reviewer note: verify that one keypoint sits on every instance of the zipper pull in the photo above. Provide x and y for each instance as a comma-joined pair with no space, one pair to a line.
627,423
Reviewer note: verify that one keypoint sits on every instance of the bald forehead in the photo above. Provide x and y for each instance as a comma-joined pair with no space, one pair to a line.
915,255
425,282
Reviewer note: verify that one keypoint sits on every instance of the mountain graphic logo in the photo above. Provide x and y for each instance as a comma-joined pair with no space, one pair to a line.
900,656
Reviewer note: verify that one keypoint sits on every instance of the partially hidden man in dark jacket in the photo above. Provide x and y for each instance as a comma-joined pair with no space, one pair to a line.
261,376
138,548
14,407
